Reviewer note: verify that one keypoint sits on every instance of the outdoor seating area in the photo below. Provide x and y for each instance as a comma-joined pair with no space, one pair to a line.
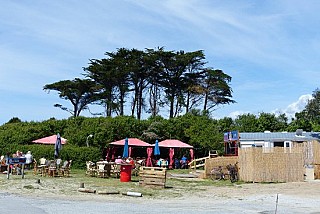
52,168
105,169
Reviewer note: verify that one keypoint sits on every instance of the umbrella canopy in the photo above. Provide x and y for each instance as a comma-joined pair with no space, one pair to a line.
51,140
131,142
125,149
156,148
57,146
174,144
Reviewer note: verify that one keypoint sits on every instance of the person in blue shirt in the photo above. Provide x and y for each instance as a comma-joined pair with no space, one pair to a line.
184,162
176,163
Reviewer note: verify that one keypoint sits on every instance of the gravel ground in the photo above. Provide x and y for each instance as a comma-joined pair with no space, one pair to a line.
60,195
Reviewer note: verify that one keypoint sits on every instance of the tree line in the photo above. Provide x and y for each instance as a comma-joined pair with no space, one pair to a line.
148,80
196,128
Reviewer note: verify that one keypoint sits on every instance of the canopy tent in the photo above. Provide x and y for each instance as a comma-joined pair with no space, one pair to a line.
172,144
132,142
50,140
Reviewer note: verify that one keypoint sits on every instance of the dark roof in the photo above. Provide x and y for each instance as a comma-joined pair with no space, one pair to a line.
278,136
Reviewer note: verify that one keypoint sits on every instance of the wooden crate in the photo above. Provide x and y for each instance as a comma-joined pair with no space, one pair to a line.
152,176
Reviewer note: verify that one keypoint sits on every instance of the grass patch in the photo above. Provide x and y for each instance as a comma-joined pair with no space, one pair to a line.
175,187
28,187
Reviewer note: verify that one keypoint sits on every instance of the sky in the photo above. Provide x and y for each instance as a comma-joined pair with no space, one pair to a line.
269,48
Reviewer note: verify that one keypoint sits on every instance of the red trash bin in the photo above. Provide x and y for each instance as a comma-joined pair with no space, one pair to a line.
125,172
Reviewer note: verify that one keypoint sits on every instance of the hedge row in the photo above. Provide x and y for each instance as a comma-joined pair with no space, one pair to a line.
78,155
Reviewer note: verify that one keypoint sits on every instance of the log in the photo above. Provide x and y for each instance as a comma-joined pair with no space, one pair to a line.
106,192
87,190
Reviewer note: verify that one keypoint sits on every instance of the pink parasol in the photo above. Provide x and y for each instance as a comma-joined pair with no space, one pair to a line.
51,140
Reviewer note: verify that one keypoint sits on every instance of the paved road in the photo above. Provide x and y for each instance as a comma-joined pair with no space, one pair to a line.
264,205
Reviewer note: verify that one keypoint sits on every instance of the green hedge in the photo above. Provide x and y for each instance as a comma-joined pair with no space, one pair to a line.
78,155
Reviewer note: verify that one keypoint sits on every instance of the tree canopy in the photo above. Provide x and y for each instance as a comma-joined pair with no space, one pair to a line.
145,81
80,92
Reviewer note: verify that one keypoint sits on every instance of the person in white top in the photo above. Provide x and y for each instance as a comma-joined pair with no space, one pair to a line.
29,159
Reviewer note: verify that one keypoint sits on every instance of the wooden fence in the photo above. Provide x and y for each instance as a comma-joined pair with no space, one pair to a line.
271,164
152,176
218,161
197,163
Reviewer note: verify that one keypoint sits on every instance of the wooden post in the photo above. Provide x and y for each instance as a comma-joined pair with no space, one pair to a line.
22,171
8,171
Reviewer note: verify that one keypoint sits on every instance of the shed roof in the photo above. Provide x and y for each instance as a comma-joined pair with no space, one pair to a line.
279,136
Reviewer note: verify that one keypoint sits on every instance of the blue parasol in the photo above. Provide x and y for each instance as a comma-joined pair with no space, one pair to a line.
156,148
125,148
57,146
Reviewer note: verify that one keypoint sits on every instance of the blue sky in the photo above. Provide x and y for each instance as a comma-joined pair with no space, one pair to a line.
269,48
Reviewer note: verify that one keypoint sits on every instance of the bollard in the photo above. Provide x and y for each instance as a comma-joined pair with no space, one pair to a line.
38,181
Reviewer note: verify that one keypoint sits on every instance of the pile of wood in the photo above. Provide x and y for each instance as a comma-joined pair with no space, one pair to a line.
152,176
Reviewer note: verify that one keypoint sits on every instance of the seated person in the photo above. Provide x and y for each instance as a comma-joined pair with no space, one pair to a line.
17,167
130,161
162,162
159,162
176,163
3,160
119,160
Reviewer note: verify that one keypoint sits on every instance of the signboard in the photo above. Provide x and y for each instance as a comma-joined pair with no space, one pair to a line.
21,160
231,136
12,161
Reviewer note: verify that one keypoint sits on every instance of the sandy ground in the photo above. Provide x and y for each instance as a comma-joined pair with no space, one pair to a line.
61,195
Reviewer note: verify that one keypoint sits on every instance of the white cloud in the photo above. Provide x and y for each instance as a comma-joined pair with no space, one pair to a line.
295,107
235,114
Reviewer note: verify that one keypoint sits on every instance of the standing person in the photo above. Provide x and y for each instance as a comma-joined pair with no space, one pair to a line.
184,162
29,159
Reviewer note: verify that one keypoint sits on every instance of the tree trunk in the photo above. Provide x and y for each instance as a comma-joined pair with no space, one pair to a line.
139,110
205,102
171,107
135,99
188,101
